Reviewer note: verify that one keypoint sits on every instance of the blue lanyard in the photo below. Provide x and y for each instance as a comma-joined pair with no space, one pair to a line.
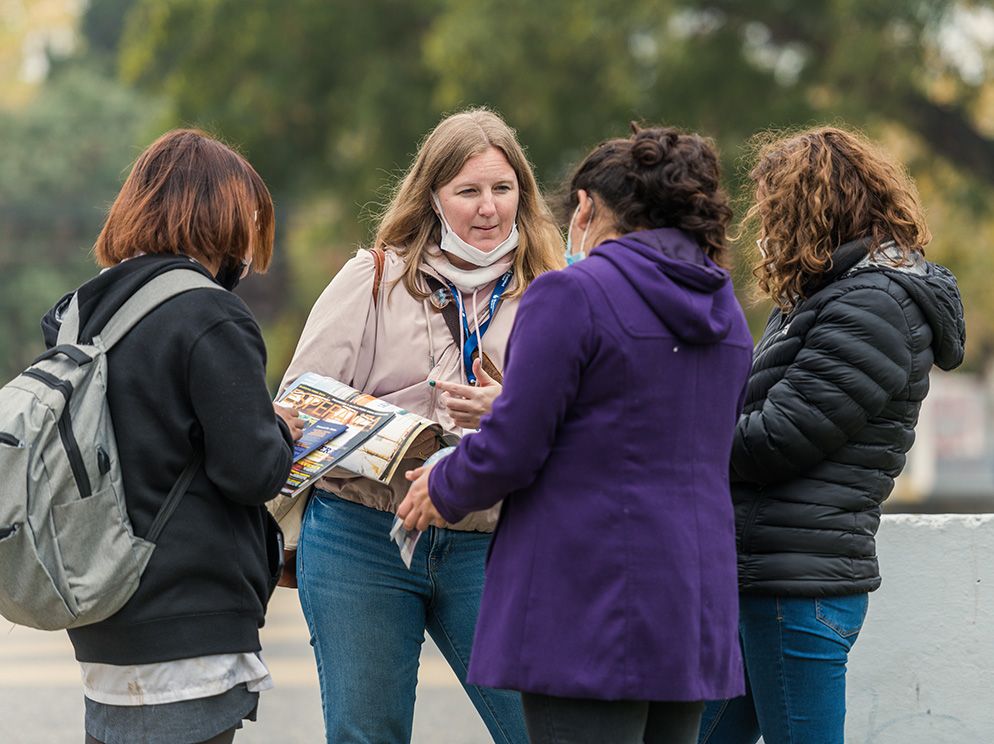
471,338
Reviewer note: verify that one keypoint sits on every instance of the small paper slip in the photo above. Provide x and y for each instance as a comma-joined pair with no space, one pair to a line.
314,436
406,540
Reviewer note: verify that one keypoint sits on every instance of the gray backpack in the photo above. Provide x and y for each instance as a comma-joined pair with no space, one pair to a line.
68,554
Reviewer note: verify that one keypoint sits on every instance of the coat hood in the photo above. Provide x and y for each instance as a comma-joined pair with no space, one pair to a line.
935,291
672,274
101,297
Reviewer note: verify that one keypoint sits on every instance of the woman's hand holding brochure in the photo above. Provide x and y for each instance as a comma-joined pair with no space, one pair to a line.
405,532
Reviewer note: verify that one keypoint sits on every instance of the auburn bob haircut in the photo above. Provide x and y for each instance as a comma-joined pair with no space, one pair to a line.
190,194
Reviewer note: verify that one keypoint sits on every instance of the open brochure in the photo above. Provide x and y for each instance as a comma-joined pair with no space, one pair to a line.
377,436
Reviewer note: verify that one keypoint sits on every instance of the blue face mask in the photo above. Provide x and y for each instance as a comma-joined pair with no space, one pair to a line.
571,257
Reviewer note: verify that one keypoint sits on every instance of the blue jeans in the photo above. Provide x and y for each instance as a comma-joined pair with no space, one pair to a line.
367,615
795,652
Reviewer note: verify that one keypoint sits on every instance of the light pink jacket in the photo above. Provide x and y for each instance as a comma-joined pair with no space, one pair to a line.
391,350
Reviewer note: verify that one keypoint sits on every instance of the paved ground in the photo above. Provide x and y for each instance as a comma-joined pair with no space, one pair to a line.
41,700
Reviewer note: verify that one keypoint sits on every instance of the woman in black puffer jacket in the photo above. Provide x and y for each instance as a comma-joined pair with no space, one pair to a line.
836,385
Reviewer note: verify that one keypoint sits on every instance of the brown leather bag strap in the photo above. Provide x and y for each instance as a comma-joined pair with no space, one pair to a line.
491,369
450,312
379,261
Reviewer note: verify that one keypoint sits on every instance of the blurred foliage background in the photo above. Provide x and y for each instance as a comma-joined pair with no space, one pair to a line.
329,99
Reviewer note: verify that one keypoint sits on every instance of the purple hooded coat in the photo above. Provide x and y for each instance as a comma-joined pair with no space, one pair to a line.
612,573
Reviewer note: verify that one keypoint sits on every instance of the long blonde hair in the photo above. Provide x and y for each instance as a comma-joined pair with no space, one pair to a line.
409,224
818,189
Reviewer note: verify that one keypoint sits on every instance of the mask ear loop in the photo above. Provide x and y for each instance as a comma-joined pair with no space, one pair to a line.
569,230
571,256
586,230
441,215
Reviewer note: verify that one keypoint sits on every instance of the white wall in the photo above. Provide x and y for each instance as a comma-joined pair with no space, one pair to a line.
922,670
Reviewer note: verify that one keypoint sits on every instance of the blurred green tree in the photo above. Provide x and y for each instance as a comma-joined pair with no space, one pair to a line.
316,93
73,143
102,25
329,99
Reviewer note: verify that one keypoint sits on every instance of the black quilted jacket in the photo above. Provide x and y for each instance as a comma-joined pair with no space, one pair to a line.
830,411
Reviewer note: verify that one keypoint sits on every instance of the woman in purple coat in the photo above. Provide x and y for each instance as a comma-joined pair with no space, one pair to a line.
610,597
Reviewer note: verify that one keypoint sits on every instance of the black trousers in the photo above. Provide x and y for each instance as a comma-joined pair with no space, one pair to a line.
556,720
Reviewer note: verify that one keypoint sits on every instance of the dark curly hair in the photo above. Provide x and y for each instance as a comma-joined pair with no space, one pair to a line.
658,177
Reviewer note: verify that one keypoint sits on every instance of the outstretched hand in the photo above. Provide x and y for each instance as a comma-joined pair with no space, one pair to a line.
467,404
416,509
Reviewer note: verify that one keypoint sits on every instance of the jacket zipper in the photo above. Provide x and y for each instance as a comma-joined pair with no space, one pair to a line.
65,430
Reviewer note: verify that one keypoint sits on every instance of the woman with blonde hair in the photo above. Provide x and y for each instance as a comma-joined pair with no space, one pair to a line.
837,381
466,228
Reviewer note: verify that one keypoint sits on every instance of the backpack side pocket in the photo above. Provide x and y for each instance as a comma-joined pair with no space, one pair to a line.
102,560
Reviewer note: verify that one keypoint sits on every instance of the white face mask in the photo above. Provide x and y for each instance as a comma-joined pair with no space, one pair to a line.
453,244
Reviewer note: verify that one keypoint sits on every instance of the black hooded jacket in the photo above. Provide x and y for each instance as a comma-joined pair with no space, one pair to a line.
189,377
830,411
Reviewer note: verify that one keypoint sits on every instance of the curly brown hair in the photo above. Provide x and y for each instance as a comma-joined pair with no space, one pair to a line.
821,188
658,177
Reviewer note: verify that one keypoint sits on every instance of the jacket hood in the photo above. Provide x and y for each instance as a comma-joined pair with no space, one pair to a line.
935,291
101,297
672,274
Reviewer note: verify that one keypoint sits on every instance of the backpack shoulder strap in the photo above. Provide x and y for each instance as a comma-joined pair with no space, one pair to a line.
69,329
145,300
176,493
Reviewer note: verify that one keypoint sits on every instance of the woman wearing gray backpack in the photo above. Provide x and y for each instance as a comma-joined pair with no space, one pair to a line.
179,662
